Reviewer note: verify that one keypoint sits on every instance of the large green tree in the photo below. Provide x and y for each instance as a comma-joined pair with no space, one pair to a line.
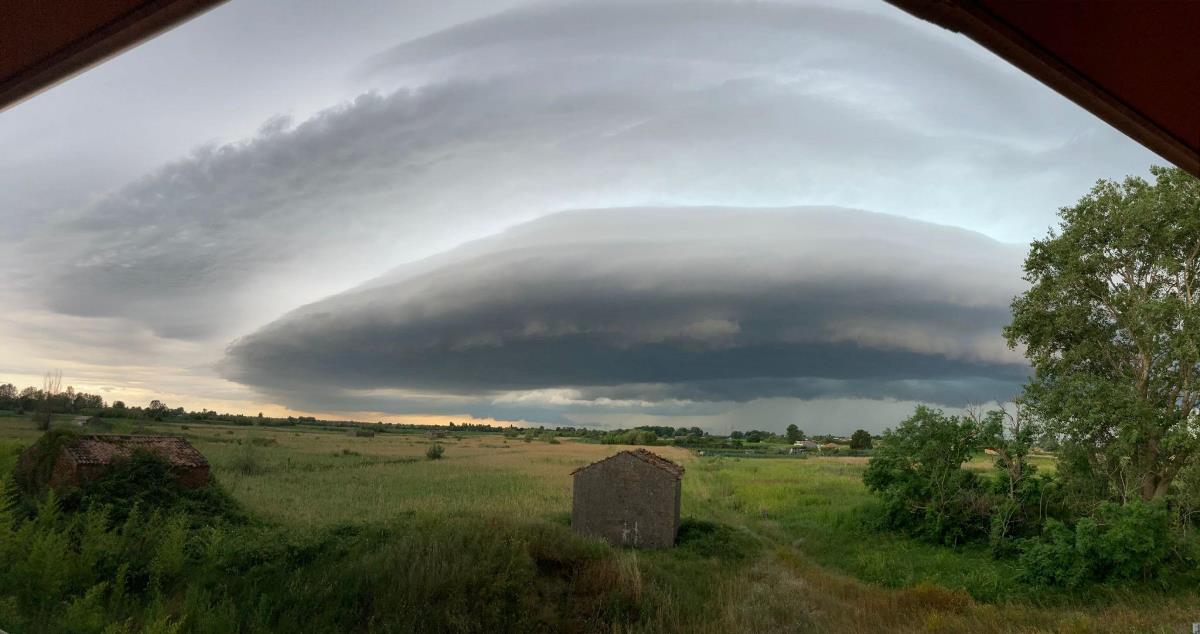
1111,324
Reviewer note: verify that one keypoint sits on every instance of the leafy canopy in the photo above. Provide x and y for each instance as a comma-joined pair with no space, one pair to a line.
1111,324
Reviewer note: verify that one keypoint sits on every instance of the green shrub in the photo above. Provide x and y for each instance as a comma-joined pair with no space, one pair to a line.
1135,542
156,571
147,482
435,451
710,539
32,475
918,475
79,572
248,460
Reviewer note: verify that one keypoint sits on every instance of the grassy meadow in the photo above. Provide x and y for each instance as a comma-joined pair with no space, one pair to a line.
468,541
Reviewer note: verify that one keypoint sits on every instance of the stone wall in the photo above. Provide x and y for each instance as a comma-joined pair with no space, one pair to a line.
627,502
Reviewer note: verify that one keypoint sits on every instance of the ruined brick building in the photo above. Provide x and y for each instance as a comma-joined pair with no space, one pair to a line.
629,499
88,457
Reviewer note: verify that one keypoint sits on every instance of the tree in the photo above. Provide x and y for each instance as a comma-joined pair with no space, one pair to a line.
157,409
918,474
860,439
794,434
28,398
8,396
1010,433
51,383
1111,325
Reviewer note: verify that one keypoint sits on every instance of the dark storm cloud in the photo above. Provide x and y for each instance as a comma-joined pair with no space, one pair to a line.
577,105
655,308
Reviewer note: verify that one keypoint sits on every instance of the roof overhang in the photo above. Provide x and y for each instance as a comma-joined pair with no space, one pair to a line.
1136,65
43,42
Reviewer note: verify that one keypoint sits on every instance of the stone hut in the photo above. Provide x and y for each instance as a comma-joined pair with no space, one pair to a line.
88,457
629,499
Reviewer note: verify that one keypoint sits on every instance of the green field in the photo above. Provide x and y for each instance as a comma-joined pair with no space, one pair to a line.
373,536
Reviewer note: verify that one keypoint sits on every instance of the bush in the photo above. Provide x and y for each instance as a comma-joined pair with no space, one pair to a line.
1135,542
141,481
435,451
917,474
248,460
861,439
32,475
710,539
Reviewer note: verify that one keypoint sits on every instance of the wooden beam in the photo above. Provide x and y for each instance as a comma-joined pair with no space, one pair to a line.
70,36
972,19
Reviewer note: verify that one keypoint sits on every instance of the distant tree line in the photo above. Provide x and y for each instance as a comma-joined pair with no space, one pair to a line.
31,399
49,400
69,401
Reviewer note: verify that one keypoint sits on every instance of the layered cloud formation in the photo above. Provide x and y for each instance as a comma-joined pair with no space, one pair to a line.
663,310
411,138
572,105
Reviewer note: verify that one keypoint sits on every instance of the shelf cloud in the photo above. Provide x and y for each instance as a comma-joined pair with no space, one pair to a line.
422,159
661,309
566,105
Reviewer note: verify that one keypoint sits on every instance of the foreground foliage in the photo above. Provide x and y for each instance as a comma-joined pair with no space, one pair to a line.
1111,325
924,490
767,545
156,572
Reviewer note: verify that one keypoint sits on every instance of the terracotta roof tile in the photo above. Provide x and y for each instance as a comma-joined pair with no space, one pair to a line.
648,457
104,449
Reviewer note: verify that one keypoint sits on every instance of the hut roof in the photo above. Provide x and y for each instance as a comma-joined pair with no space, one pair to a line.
104,449
649,457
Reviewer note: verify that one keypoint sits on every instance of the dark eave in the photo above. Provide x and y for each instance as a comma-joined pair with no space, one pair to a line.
1136,65
43,42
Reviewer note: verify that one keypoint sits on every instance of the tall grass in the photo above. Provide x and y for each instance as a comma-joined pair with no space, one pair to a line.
356,534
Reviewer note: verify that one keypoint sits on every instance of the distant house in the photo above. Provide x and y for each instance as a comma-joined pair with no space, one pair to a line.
88,457
629,499
806,445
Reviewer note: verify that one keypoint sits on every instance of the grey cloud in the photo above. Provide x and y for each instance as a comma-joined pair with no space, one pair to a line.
575,105
661,309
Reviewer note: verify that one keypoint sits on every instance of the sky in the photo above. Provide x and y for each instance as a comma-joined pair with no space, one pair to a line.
732,215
